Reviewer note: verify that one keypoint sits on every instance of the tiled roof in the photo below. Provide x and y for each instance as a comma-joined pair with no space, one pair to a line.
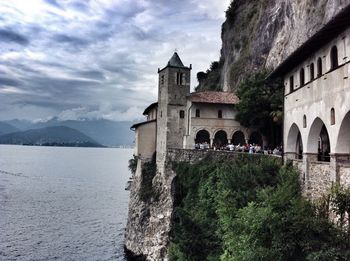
175,61
214,97
150,107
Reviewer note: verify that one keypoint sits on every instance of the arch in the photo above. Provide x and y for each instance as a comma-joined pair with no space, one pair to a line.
295,142
238,138
334,57
302,77
318,140
343,138
319,67
202,136
220,139
332,116
312,71
256,138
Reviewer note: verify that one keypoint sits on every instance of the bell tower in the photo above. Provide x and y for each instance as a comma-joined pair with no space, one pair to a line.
173,89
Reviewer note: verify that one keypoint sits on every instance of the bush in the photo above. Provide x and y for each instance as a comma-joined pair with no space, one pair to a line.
149,170
249,208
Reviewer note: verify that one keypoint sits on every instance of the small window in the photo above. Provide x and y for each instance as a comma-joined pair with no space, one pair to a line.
319,67
198,113
312,72
304,122
332,116
302,77
334,57
182,114
162,79
161,114
291,84
220,114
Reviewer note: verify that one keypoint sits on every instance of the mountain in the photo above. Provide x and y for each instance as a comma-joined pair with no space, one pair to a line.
105,132
260,34
56,136
7,128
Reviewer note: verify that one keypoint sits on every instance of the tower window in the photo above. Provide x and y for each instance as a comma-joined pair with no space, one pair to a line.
302,77
179,78
220,114
162,79
319,67
312,72
182,114
334,57
332,116
198,113
291,84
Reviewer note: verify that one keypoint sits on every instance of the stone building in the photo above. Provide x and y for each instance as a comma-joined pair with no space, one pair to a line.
317,106
181,119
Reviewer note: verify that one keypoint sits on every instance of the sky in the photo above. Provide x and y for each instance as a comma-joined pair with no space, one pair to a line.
98,59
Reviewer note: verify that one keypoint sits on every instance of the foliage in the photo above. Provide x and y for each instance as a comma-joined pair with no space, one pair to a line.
209,80
249,208
133,164
149,170
261,105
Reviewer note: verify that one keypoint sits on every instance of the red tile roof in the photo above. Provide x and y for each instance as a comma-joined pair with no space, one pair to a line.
214,97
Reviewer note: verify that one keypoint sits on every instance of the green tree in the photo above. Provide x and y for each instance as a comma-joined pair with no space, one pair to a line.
261,106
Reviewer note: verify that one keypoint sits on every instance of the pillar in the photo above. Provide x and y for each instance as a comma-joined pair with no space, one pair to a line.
229,141
307,158
211,142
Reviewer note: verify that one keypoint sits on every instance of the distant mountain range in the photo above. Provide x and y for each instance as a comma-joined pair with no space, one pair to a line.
50,136
104,132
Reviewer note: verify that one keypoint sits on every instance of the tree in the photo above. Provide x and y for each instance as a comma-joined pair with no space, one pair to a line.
261,106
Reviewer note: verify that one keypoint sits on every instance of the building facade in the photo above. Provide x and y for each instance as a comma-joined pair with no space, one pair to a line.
317,106
180,119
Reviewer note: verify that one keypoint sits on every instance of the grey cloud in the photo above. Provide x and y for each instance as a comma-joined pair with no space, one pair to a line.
9,82
71,40
53,3
10,36
92,74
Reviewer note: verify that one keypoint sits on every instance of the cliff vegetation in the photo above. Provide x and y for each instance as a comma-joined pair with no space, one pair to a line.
249,208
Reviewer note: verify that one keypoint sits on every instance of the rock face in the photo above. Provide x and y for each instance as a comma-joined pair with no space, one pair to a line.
260,34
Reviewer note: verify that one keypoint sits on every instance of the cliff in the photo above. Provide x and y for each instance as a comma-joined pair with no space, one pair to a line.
260,34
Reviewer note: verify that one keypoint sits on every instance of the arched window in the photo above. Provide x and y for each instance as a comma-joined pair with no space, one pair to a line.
312,72
291,84
304,122
198,113
334,57
302,77
319,67
332,116
220,114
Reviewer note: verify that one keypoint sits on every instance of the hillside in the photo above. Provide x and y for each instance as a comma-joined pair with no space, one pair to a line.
260,34
6,128
55,136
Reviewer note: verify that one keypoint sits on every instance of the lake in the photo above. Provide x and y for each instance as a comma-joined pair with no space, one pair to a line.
61,203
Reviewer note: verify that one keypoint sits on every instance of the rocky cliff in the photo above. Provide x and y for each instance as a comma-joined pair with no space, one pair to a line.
261,34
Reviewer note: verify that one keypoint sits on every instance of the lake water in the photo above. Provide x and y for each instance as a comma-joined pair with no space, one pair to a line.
63,203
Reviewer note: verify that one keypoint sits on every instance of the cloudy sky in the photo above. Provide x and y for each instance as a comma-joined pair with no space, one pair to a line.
77,59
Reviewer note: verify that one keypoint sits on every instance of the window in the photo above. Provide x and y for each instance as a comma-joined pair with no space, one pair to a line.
312,72
198,113
179,78
220,114
319,67
334,57
182,114
291,84
332,116
302,77
304,122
